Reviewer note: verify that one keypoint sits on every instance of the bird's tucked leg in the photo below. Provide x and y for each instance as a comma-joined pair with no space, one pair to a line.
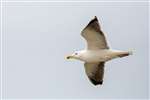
124,54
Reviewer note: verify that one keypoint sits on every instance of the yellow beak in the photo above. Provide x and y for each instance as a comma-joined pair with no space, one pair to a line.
69,57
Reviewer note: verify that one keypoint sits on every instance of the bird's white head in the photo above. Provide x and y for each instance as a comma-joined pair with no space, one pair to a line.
75,55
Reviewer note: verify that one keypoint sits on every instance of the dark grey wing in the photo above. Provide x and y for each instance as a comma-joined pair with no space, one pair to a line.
94,36
95,72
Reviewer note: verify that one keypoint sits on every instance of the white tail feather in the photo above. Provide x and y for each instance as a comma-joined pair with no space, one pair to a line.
130,52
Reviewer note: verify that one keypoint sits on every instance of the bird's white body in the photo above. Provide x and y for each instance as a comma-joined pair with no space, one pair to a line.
93,56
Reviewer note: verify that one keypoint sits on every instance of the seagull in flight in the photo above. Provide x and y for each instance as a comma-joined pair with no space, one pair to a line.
96,53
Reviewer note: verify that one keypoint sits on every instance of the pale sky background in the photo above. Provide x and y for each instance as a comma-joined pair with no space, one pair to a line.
38,36
75,0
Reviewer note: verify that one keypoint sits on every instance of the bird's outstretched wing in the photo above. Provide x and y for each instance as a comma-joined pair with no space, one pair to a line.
95,72
94,36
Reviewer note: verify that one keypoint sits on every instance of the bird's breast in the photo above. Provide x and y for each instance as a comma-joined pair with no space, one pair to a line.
96,56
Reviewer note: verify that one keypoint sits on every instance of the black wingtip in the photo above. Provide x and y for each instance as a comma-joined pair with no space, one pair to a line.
96,82
94,19
101,82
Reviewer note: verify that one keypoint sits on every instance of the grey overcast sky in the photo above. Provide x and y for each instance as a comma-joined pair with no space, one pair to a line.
38,36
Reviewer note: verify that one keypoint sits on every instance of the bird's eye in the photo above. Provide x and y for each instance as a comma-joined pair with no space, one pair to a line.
76,53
